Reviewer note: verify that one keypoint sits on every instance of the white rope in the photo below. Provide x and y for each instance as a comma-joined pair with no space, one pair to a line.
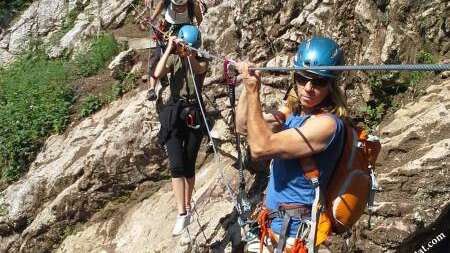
216,156
199,100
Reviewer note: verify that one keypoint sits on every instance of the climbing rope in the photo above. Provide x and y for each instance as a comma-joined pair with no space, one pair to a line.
199,100
375,67
379,67
226,181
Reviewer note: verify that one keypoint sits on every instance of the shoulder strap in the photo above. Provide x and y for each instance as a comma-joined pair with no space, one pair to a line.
312,173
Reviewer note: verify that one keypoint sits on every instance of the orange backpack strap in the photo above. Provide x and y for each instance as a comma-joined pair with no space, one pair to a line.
311,172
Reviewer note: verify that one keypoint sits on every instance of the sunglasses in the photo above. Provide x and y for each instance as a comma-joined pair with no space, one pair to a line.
317,82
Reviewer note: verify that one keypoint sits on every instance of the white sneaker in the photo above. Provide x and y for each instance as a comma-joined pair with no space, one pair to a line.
181,223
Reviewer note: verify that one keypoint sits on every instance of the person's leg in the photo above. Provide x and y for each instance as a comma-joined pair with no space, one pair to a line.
152,62
179,189
189,188
175,154
192,145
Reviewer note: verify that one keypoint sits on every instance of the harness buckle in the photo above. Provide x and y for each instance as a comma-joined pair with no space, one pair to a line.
190,121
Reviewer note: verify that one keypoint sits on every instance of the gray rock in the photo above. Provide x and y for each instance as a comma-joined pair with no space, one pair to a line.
69,40
122,63
45,17
74,173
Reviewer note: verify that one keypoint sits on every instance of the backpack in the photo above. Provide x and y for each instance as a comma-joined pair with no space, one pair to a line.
351,186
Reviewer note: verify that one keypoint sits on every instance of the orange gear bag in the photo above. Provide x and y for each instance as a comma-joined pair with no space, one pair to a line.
347,193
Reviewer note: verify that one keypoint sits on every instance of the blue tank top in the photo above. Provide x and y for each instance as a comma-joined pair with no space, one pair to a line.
287,184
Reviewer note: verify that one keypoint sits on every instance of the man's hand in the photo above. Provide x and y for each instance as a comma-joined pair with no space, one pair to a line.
252,80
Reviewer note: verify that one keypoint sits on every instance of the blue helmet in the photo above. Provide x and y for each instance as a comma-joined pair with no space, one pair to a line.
190,35
319,51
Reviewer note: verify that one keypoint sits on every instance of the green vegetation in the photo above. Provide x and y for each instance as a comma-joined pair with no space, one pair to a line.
70,19
3,210
90,105
94,59
35,102
385,86
93,103
35,99
67,231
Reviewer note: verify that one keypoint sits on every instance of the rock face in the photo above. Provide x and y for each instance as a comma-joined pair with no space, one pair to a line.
147,226
123,63
102,186
77,173
412,173
61,24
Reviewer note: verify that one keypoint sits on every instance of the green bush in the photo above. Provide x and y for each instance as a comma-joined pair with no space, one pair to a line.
34,103
115,92
385,86
129,82
90,105
93,103
414,78
423,57
35,99
95,58
373,114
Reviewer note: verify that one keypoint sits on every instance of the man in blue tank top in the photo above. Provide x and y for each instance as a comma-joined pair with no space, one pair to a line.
309,126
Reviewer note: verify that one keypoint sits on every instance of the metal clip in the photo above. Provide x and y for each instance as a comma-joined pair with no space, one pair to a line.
190,120
373,178
303,230
166,36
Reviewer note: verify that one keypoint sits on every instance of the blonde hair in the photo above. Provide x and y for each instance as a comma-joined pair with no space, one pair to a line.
336,100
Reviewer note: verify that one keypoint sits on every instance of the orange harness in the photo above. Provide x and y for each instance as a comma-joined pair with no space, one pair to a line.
267,233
